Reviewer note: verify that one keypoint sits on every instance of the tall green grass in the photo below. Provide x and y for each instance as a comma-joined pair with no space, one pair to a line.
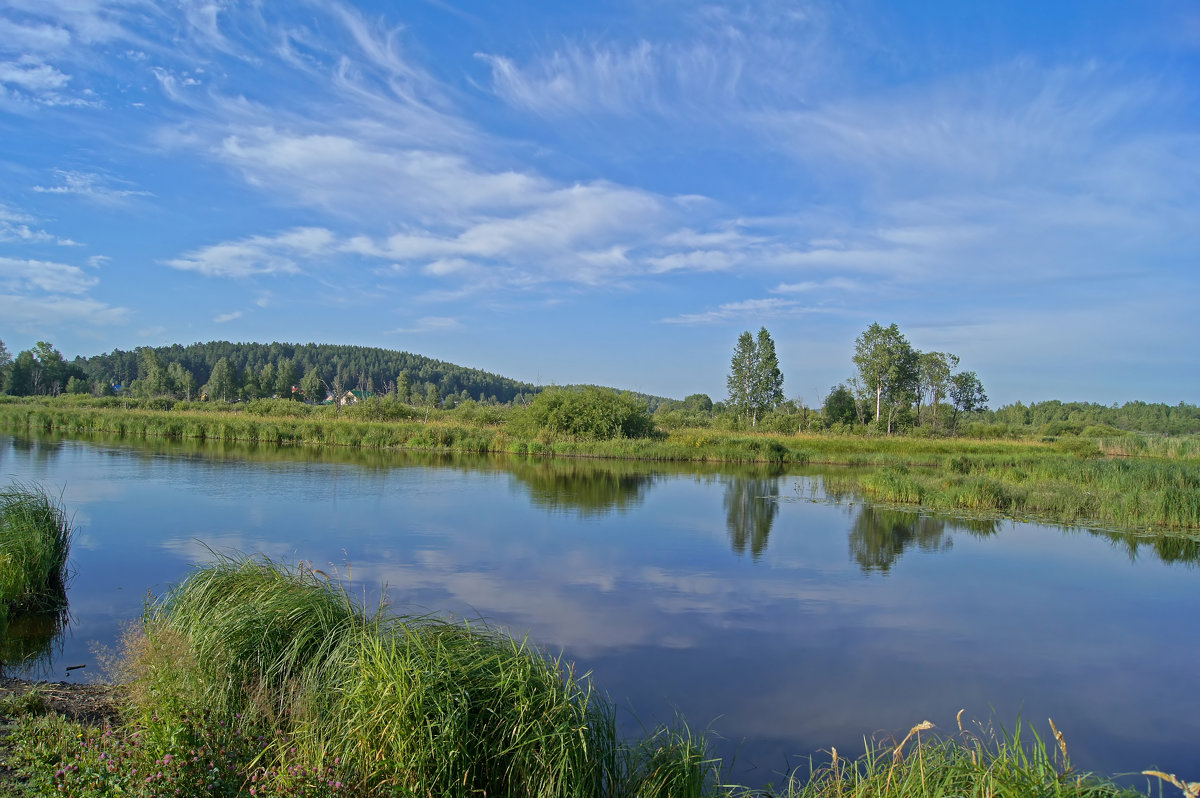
35,538
391,704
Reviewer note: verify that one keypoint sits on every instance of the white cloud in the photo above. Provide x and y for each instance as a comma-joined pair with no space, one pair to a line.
811,286
258,255
746,309
47,276
716,59
429,324
32,75
90,185
696,260
14,228
226,317
86,21
33,37
35,314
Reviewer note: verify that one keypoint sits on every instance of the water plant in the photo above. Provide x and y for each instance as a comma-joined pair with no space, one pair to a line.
35,538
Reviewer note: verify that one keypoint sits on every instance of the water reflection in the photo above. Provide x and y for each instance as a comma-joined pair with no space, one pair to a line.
751,506
30,641
1168,549
880,536
586,487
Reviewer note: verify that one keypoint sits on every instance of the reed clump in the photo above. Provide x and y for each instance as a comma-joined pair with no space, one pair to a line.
383,704
35,539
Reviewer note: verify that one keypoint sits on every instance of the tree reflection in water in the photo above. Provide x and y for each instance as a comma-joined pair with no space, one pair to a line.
589,489
880,536
751,505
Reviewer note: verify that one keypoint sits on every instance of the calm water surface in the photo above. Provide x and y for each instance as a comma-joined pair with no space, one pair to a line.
745,599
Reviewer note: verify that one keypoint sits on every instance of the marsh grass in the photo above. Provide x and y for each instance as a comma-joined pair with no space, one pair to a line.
1129,481
35,539
385,704
1157,496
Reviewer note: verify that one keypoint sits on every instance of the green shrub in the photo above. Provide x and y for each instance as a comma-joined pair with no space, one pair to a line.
285,408
588,414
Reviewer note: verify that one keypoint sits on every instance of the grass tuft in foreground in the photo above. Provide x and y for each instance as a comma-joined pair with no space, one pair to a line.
378,703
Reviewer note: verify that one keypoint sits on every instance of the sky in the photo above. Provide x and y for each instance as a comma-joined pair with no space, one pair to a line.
611,192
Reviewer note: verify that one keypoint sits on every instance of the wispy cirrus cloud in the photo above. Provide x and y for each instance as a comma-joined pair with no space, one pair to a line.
90,185
720,57
224,318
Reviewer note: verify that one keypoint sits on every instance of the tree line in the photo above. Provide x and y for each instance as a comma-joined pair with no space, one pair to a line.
894,387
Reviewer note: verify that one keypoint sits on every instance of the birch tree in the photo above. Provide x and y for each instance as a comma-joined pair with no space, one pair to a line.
755,382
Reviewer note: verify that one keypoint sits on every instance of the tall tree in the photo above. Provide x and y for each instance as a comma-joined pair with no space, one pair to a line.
966,392
50,370
153,376
5,362
311,386
20,375
933,380
840,406
755,382
887,366
184,381
221,384
286,375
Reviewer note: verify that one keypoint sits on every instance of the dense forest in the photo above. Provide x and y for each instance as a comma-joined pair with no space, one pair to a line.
257,370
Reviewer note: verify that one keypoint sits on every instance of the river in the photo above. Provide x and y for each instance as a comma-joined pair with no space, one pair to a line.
780,619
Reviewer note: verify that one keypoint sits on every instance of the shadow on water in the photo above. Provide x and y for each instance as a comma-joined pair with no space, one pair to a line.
751,506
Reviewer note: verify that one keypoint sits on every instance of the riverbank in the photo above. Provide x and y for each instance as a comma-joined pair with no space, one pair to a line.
1126,482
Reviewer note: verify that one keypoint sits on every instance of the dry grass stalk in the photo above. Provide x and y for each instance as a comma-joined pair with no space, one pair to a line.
1190,789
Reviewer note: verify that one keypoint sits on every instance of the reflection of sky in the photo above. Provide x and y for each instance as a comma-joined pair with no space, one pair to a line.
784,655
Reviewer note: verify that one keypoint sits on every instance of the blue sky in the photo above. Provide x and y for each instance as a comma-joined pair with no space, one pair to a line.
612,192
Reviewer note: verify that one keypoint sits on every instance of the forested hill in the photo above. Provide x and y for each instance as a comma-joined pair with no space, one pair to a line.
360,367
